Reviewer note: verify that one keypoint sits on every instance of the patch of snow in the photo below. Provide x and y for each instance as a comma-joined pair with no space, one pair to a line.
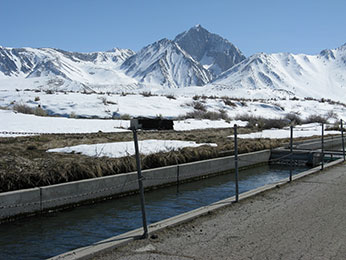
122,149
193,124
16,122
305,130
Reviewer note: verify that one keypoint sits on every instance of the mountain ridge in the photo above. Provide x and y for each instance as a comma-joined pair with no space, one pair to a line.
195,57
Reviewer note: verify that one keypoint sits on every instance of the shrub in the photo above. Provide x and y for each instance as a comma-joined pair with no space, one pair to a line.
315,119
228,102
49,92
294,118
199,114
262,123
25,109
171,97
331,115
196,97
199,106
38,111
37,99
146,94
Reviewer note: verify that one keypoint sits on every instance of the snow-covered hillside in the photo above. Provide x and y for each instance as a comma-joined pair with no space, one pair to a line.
164,63
280,74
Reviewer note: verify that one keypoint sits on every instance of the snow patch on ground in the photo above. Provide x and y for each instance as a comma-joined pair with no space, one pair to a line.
122,149
193,124
16,122
305,130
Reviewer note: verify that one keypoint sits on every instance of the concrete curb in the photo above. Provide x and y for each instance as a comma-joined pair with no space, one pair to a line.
117,241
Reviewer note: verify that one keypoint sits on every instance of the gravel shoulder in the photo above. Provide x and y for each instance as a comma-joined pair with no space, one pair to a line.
301,220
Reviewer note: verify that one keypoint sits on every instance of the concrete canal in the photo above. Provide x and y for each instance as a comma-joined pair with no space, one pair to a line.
45,236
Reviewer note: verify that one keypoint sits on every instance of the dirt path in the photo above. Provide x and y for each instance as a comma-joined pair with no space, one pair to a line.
302,220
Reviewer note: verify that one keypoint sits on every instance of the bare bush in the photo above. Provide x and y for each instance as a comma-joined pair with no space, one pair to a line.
315,119
25,109
49,92
171,97
199,114
199,106
196,97
228,102
262,123
294,118
331,115
147,94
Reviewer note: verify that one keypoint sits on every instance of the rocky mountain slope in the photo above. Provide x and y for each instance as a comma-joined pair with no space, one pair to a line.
212,51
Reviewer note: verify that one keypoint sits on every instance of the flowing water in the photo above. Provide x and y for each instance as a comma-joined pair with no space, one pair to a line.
45,236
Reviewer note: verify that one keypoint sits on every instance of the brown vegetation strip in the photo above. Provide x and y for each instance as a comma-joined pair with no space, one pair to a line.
24,162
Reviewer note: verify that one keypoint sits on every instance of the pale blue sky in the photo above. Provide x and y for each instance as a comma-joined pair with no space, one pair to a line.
296,26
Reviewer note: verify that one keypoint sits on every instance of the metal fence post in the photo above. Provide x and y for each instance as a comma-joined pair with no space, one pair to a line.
236,163
140,184
322,147
342,138
291,152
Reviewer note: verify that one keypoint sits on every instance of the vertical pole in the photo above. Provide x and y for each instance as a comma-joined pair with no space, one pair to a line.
178,180
291,152
322,147
342,138
236,163
140,184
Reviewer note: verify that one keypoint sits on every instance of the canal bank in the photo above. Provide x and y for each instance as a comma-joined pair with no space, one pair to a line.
67,195
302,220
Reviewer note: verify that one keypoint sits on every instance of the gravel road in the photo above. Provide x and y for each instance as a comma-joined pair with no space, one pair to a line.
302,220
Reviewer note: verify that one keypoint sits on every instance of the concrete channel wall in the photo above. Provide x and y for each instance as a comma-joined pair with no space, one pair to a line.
30,201
329,143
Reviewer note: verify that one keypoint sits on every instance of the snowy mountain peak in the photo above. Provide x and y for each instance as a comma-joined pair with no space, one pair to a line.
211,50
165,63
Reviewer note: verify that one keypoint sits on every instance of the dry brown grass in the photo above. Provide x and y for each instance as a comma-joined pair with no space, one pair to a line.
24,162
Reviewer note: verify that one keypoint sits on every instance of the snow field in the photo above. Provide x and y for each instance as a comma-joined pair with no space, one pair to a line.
135,105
